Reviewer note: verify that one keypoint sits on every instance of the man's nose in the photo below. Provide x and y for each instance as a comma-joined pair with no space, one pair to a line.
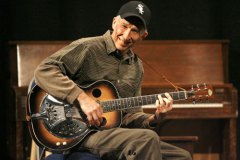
127,34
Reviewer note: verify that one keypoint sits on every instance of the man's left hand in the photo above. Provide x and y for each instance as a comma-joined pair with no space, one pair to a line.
164,104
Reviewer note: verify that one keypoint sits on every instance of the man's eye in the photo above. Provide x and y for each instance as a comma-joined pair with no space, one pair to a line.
135,31
124,26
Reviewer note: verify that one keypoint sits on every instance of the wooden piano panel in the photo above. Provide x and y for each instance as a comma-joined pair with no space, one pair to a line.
184,62
28,56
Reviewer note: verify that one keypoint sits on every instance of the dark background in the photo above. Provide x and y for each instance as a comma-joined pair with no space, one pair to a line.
73,19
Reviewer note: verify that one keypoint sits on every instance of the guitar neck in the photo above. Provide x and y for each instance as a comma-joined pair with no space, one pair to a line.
137,102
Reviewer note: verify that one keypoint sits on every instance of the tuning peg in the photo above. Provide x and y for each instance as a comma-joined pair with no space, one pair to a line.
194,101
192,88
200,98
198,87
205,86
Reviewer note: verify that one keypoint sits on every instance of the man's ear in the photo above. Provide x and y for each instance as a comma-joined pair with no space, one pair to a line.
144,35
114,22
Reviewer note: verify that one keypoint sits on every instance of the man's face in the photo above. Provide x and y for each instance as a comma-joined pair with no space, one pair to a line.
126,34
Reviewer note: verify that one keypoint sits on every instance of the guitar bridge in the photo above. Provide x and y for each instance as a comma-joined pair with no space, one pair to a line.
61,119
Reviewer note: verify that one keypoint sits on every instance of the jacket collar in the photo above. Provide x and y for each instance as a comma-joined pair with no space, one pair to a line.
110,48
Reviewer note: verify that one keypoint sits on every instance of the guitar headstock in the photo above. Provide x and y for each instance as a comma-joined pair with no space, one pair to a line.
200,93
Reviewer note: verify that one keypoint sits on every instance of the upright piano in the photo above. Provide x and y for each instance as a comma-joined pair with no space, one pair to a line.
167,64
186,64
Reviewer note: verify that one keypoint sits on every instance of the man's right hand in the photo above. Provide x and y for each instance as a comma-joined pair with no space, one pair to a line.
91,108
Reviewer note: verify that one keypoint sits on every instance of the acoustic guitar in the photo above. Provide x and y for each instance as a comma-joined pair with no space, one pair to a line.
58,126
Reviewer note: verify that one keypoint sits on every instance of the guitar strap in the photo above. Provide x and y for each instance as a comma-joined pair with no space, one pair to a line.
177,88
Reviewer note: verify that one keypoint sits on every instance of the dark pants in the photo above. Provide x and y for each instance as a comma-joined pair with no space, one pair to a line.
128,144
132,144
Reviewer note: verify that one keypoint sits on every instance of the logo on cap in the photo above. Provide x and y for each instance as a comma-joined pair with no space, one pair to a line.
140,8
136,9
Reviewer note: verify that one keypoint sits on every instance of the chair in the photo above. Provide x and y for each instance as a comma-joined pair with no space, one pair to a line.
76,155
38,154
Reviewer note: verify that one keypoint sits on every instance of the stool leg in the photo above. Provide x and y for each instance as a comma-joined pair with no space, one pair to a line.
33,155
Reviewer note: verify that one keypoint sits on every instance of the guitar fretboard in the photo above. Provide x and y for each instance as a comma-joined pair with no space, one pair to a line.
137,102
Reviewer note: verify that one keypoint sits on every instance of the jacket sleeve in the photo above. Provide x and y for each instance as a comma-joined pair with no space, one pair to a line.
55,72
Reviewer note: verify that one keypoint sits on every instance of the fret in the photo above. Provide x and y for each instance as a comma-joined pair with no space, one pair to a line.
144,100
182,95
175,96
134,102
149,99
122,104
116,104
110,107
125,103
129,103
119,104
146,97
153,99
108,104
140,101
112,103
105,107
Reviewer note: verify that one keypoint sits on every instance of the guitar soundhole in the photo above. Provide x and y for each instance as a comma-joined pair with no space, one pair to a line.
96,92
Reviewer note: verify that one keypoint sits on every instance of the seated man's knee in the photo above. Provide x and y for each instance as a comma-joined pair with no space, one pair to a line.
186,155
151,134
